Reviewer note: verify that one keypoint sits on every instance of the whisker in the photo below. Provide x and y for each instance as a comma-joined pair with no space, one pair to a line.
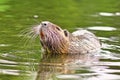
28,39
25,31
25,35
28,36
32,40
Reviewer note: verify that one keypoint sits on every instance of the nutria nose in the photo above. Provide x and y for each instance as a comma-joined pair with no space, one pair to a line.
44,23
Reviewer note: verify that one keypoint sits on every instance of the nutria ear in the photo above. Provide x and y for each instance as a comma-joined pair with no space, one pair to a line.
66,33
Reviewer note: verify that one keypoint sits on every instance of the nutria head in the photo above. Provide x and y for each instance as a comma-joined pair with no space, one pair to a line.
53,38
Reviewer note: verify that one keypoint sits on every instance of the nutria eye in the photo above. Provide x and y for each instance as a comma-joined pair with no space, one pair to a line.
58,28
44,24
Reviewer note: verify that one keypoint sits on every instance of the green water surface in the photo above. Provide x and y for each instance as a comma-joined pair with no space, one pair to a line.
19,59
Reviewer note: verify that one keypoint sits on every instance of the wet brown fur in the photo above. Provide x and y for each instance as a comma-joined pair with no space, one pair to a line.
56,40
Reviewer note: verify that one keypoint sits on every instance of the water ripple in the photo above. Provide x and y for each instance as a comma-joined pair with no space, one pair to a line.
102,28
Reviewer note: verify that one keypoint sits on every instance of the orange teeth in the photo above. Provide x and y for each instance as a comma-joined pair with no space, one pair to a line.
41,34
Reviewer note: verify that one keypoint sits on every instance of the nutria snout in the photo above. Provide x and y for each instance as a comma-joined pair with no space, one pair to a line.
54,39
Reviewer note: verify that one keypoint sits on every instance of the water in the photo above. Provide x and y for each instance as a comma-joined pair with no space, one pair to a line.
19,60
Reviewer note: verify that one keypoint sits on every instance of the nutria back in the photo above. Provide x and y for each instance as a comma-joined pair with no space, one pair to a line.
83,41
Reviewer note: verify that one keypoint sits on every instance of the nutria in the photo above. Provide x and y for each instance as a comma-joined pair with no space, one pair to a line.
56,40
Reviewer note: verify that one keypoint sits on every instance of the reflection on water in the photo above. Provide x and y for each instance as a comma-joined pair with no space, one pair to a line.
65,66
76,67
109,14
3,45
102,28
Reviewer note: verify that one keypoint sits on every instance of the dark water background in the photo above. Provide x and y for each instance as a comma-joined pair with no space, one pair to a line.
19,59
